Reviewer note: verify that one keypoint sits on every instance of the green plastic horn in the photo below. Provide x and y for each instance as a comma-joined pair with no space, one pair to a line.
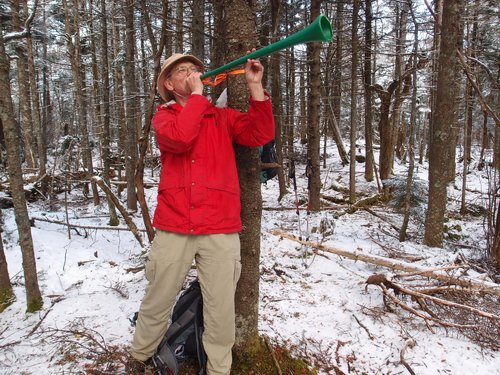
318,31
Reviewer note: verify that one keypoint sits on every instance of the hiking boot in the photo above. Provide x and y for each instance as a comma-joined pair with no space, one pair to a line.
136,367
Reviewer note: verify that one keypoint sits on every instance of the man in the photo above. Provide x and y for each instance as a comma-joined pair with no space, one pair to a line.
198,211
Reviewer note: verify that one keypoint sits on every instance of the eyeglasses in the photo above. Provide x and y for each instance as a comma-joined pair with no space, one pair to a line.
184,70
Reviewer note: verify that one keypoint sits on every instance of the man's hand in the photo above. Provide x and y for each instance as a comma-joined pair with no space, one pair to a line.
254,71
194,83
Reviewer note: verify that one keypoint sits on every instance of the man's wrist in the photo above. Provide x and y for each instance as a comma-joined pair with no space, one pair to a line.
257,91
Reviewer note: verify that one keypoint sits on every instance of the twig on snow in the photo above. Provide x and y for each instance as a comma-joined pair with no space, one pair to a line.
409,344
364,327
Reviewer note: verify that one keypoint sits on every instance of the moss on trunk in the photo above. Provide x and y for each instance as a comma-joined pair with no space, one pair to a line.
34,305
7,297
260,359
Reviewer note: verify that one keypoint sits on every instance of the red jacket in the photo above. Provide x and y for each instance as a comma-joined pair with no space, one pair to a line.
199,191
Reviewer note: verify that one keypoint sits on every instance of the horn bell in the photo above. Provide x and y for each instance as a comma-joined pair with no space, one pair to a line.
320,30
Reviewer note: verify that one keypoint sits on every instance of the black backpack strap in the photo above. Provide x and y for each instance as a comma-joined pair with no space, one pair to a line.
184,312
164,360
200,350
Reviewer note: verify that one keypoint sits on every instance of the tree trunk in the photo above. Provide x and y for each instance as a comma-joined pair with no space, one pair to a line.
47,106
197,27
18,17
131,109
469,107
217,57
337,136
240,25
384,129
338,32
485,140
411,137
37,123
496,145
303,110
399,67
290,115
143,141
354,102
6,293
495,248
367,76
444,117
106,121
95,87
34,299
313,133
179,28
438,22
277,110
118,90
72,28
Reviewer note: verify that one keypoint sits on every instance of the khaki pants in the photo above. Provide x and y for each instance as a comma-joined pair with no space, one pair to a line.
218,265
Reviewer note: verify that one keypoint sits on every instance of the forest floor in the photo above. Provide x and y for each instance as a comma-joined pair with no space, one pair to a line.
315,303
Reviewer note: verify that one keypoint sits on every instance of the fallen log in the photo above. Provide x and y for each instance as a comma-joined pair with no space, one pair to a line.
133,228
463,281
78,226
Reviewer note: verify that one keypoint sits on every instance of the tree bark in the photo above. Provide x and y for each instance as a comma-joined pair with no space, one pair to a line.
469,107
6,293
106,120
277,110
303,108
399,69
18,17
34,299
72,28
37,123
131,102
241,26
96,104
354,102
179,27
197,27
411,137
313,132
290,90
444,117
367,76
438,22
338,32
143,141
118,86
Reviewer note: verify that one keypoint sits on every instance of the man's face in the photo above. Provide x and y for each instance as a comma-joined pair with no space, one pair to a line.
176,79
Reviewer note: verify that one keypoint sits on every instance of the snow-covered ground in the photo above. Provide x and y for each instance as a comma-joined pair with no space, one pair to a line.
317,304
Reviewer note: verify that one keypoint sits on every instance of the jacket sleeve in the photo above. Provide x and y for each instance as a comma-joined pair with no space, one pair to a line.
177,131
255,128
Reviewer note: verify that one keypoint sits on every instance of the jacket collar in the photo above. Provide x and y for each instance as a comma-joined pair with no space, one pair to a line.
176,107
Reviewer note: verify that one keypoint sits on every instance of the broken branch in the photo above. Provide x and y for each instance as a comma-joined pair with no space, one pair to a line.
466,282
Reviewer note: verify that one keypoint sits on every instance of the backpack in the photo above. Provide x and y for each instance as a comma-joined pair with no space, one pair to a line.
268,155
183,338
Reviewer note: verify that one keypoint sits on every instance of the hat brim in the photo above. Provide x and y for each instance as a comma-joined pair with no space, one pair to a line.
167,68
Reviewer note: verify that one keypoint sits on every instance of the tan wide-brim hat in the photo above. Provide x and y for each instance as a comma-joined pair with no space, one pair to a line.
167,67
